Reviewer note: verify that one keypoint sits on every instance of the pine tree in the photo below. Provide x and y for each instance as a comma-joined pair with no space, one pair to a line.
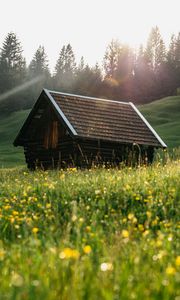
110,61
65,69
88,80
38,69
118,61
118,67
12,63
173,63
81,65
60,65
177,51
171,56
144,78
39,64
155,50
156,55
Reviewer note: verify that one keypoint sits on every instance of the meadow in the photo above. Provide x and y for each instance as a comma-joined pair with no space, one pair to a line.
91,234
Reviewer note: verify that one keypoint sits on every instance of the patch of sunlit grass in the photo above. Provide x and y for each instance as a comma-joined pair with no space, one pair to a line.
106,233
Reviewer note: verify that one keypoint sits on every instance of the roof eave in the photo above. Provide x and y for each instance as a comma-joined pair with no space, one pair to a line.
60,112
79,137
163,145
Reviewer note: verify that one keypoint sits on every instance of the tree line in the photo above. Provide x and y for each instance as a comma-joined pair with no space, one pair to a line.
141,76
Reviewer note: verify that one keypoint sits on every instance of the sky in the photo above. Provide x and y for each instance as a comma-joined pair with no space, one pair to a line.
88,25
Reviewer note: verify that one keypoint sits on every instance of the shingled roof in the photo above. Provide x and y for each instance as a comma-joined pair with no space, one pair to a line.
104,119
100,119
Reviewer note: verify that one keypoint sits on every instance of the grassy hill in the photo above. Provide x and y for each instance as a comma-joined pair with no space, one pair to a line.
163,115
9,128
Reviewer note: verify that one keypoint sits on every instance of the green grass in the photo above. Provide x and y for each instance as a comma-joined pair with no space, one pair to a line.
9,127
97,234
163,115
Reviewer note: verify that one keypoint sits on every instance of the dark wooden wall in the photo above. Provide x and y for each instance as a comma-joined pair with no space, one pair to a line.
47,144
84,153
91,152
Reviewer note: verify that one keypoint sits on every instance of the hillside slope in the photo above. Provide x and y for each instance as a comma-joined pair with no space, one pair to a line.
9,128
163,115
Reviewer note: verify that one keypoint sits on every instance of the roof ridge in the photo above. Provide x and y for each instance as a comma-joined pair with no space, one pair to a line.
87,97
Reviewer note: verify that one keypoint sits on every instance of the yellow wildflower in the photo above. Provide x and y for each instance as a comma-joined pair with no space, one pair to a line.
125,233
35,230
15,212
170,270
177,261
87,249
154,222
124,220
69,253
88,228
148,213
140,227
6,207
2,254
146,232
134,220
62,176
130,216
158,243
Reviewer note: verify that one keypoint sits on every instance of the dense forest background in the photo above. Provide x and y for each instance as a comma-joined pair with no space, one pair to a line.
140,75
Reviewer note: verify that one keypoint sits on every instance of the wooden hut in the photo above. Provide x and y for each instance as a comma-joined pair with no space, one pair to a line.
65,130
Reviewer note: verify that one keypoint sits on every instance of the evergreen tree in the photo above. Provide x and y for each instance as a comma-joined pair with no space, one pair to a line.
88,80
12,63
12,74
173,63
81,65
177,55
156,55
144,78
155,50
38,68
177,51
39,63
110,61
171,55
65,69
118,61
118,67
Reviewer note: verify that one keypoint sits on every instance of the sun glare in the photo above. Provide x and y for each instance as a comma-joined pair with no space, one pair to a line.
88,25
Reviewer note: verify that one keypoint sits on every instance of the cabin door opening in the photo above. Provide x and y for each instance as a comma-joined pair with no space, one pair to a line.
51,135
